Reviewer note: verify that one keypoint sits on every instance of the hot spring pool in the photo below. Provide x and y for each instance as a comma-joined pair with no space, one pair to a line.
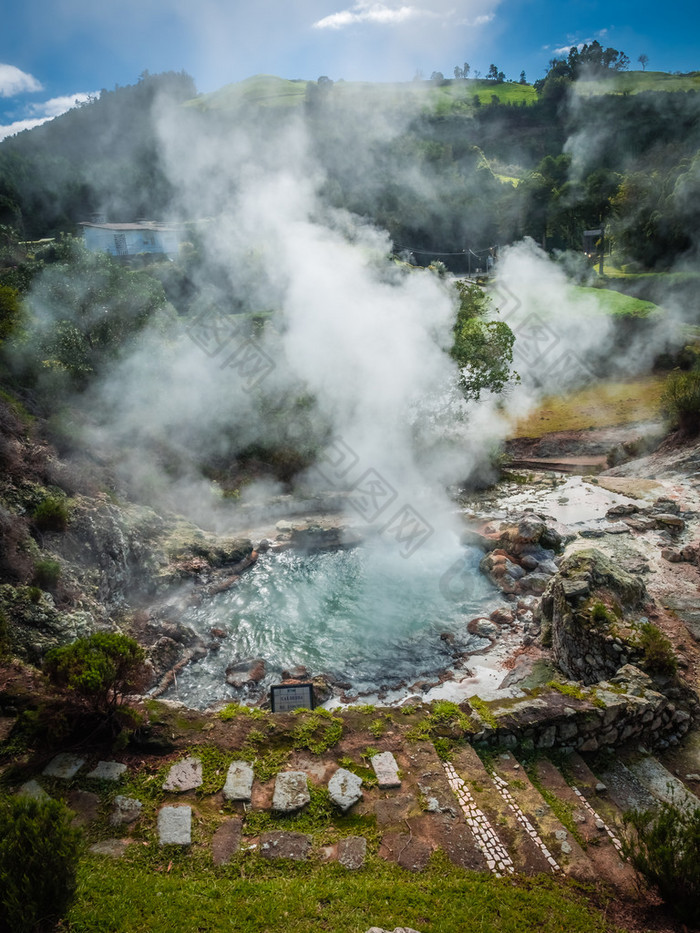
362,616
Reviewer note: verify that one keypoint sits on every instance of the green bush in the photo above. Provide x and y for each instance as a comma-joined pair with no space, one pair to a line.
51,515
100,669
681,400
39,852
658,654
46,573
664,848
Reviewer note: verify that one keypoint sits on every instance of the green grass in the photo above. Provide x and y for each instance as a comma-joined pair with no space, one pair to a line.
254,896
635,82
260,90
615,303
270,91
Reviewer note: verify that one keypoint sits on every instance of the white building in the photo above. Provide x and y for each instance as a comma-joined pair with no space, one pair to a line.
132,239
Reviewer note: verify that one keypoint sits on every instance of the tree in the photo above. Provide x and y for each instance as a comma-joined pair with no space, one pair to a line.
85,311
523,79
643,61
437,77
482,349
466,68
492,73
459,73
39,851
99,670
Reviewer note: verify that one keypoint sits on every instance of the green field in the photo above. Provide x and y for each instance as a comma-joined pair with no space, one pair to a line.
270,91
615,303
635,82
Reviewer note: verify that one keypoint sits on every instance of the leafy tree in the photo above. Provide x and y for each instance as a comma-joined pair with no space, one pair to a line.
458,72
523,79
85,309
99,670
466,68
39,852
483,349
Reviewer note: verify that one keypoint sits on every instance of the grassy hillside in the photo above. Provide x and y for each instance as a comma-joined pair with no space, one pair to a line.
635,82
270,91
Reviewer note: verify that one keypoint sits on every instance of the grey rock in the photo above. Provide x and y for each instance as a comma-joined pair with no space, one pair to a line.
239,781
64,766
352,851
669,520
184,775
33,789
175,826
107,771
386,769
126,810
291,791
345,788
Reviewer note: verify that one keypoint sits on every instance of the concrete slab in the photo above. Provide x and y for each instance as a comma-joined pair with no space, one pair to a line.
175,826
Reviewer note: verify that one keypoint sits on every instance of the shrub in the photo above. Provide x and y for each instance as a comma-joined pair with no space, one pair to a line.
681,400
658,655
664,849
100,669
39,852
46,573
51,515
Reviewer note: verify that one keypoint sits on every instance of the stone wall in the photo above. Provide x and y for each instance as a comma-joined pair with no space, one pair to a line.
625,708
590,645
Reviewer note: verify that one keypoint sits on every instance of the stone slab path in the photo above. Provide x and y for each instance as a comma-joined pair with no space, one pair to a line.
490,815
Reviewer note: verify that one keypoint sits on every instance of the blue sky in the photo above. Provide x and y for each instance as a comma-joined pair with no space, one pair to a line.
54,52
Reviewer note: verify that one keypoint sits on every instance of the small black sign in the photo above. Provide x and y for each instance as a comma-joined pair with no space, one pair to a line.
285,698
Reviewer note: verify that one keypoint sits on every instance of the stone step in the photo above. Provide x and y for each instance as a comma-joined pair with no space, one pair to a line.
494,822
624,788
597,796
663,785
539,820
599,841
424,815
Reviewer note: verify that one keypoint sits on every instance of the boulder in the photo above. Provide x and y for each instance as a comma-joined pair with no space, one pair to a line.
248,671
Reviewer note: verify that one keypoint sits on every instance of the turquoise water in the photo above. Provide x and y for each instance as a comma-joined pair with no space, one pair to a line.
363,616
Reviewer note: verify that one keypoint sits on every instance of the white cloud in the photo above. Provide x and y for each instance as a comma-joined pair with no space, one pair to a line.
58,105
12,128
43,112
367,12
482,20
13,81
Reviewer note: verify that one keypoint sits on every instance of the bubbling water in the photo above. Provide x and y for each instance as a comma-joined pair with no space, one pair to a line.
362,616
